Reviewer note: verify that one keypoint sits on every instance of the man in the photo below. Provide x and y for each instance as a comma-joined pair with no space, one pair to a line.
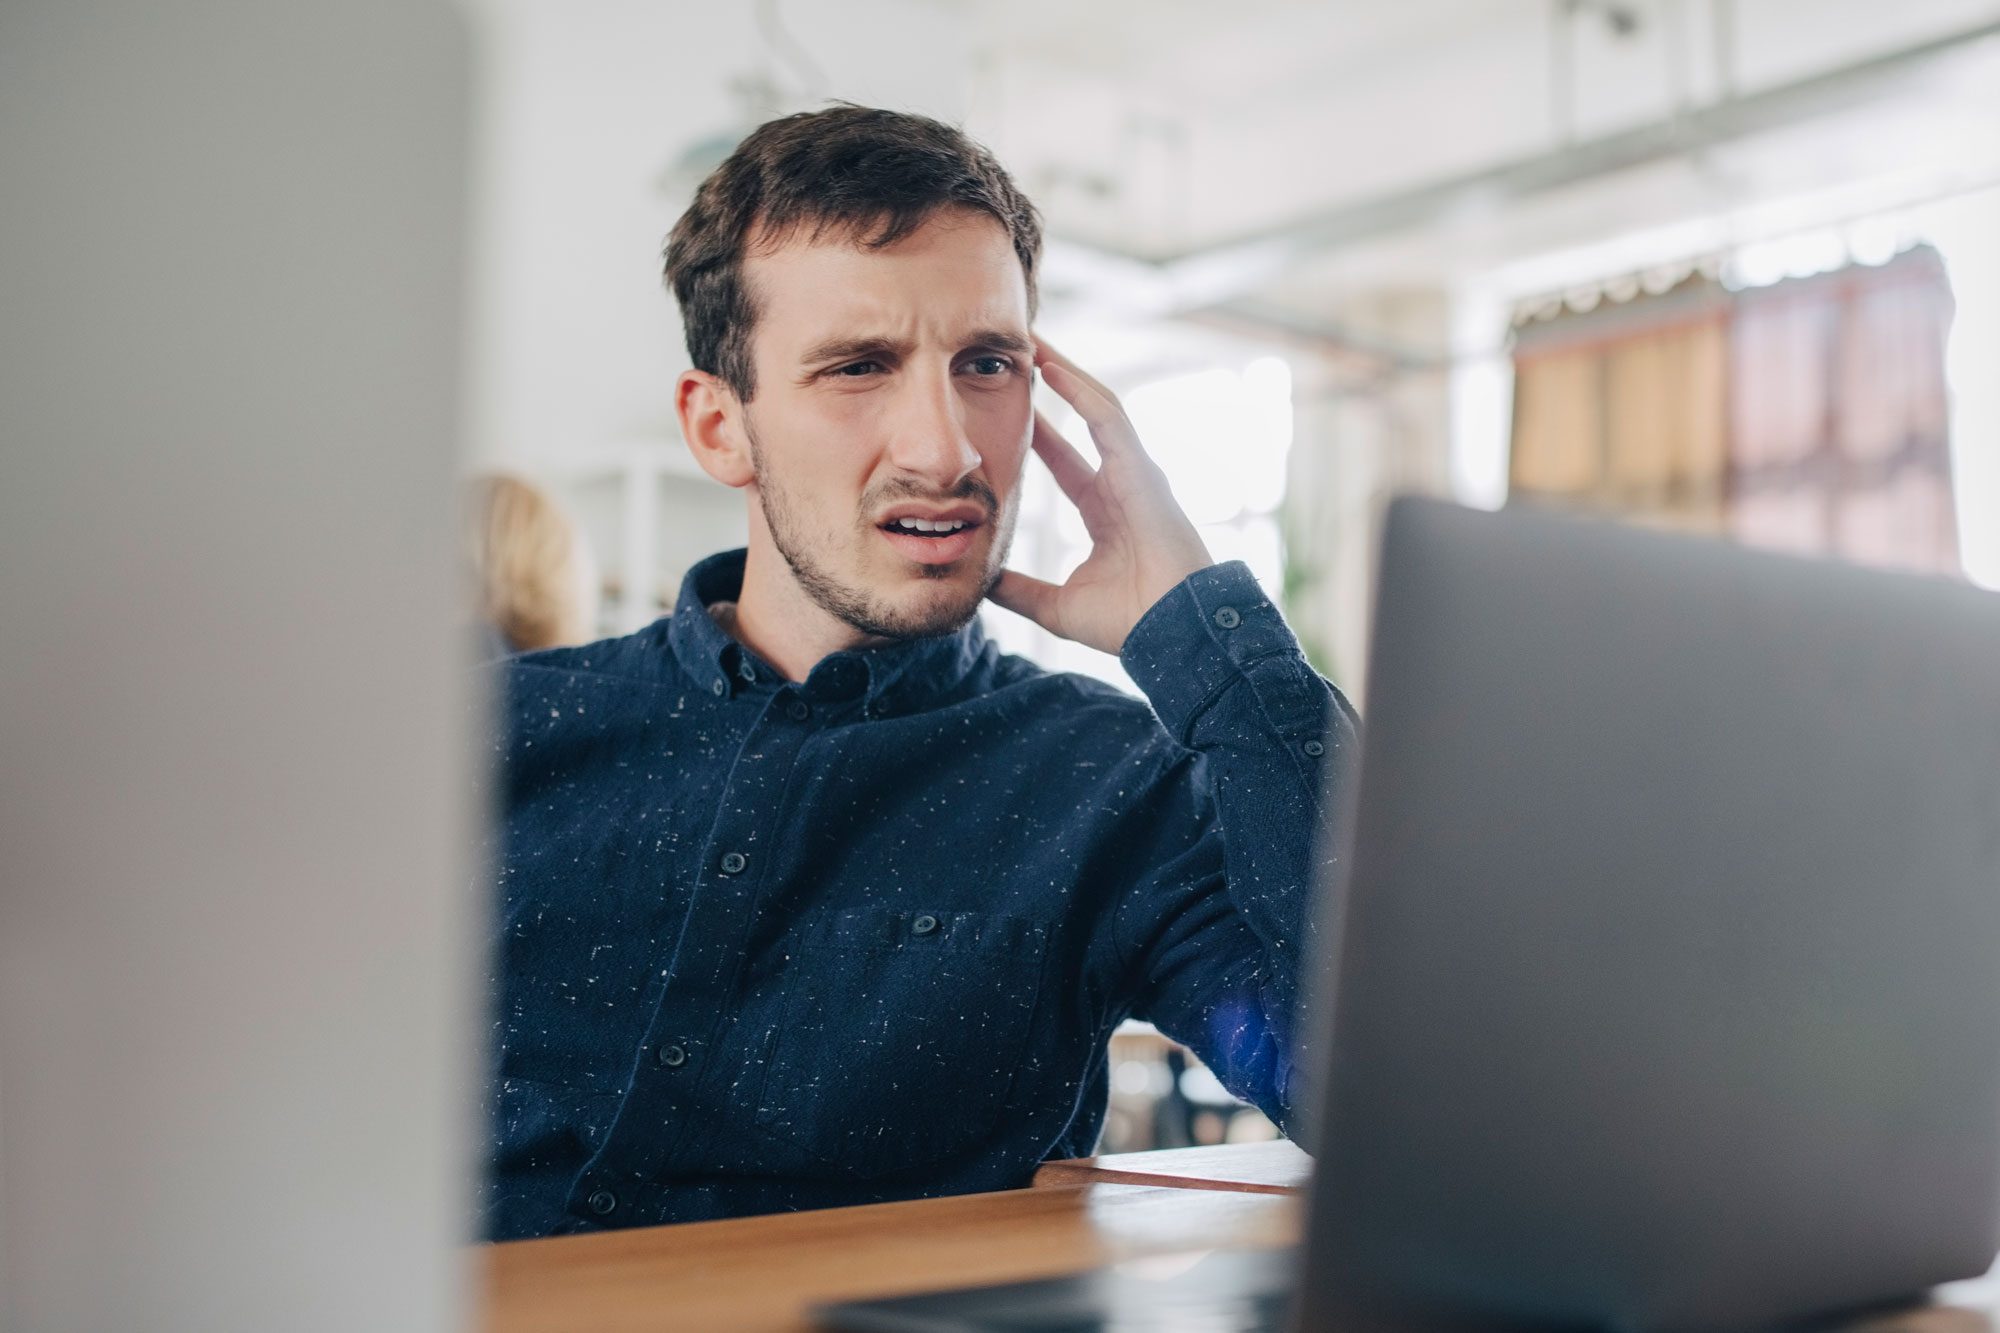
809,896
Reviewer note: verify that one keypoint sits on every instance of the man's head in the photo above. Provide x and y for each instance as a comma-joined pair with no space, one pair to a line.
857,287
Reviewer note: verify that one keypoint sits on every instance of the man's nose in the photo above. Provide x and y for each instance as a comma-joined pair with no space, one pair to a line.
930,440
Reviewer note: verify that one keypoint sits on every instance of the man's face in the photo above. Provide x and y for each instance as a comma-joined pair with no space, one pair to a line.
891,418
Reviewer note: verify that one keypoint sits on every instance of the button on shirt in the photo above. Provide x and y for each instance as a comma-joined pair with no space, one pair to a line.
766,945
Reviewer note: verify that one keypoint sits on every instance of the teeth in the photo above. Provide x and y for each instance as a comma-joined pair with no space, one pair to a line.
925,525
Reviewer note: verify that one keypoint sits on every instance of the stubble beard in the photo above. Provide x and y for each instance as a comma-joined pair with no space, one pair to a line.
854,606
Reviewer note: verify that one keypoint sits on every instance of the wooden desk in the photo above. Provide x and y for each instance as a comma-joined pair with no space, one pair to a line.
1278,1167
761,1274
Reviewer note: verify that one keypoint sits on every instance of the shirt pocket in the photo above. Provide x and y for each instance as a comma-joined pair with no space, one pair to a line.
899,1037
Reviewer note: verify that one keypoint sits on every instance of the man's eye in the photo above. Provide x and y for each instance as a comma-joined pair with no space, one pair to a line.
988,366
858,369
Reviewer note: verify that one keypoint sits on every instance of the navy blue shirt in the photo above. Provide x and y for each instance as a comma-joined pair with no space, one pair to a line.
769,946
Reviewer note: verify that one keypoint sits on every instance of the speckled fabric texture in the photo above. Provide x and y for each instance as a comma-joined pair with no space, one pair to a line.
768,946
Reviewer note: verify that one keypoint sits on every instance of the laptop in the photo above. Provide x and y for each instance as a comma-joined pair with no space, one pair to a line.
1662,978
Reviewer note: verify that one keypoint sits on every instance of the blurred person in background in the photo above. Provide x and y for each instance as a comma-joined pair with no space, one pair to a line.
807,894
534,580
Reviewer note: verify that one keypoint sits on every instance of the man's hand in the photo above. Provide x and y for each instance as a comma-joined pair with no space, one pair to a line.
1142,545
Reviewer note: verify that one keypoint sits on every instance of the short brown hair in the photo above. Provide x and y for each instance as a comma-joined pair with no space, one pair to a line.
877,175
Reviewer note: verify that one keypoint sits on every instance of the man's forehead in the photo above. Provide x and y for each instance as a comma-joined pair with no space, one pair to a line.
953,276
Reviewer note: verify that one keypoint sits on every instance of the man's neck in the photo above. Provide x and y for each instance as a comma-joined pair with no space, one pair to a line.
775,619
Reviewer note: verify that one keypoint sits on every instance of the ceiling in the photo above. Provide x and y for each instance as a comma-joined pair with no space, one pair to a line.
1228,59
1349,147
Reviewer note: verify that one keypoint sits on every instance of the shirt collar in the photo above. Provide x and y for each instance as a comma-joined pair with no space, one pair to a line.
893,678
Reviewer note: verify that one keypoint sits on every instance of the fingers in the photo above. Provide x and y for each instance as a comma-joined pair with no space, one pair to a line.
1072,471
1097,405
1026,595
1046,355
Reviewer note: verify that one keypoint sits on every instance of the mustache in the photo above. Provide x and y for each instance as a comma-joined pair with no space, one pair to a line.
972,488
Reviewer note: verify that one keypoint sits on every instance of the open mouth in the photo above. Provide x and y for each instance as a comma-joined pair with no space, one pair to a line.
931,541
923,527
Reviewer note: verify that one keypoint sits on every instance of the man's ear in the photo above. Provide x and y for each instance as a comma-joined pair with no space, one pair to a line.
712,424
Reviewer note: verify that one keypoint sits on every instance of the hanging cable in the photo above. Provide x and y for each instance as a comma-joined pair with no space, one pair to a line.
1722,32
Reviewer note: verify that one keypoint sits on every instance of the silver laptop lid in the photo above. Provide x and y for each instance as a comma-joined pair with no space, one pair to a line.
1669,982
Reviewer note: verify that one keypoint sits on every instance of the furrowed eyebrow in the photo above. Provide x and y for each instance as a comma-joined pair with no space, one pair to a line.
853,349
996,340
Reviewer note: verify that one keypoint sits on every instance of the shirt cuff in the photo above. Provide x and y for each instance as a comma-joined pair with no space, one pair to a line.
1200,638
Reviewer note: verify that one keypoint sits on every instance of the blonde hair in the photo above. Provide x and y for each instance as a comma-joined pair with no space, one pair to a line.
532,574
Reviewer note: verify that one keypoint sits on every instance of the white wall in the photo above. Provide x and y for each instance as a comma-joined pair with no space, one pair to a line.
236,1055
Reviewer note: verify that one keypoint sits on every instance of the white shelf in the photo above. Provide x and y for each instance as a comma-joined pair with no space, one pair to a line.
636,456
634,467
